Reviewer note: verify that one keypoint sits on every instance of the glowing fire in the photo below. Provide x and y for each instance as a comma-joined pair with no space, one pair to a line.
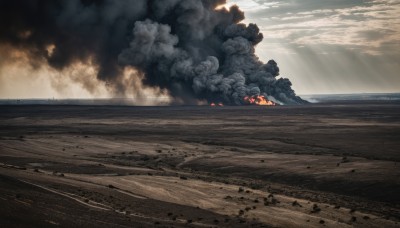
220,104
258,100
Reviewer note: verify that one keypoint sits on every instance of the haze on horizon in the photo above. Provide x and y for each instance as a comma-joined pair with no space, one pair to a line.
323,47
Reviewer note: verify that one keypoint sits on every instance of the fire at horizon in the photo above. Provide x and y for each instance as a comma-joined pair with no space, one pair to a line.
250,100
258,100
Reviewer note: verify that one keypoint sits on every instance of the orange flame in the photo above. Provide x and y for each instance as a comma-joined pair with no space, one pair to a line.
258,100
220,104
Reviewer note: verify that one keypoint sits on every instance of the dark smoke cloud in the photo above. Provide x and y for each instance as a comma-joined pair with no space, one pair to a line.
185,46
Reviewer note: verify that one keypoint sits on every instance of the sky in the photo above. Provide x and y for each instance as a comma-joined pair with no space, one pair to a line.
322,46
330,46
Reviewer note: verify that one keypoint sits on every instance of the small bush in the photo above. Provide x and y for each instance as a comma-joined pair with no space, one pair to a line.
274,201
315,209
295,203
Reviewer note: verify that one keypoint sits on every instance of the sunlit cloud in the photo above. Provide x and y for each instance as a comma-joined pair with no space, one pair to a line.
331,47
252,5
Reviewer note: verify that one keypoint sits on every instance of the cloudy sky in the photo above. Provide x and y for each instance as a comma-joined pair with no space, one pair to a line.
331,46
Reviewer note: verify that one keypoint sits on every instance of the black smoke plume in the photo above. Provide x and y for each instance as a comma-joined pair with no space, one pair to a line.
188,47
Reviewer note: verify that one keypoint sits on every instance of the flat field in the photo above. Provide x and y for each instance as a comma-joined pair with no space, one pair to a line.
320,165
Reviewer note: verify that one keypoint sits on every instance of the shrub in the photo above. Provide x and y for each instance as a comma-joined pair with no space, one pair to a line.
315,208
274,201
295,203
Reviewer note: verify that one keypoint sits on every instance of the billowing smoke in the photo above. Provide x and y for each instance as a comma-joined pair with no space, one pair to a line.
189,47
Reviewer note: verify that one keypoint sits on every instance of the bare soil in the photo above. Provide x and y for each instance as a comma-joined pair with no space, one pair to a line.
320,165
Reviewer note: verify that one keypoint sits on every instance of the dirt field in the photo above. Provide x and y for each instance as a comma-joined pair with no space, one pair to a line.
325,165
